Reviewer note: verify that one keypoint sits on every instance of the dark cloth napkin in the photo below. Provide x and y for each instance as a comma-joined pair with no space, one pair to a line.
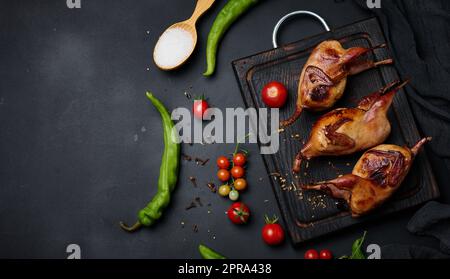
401,252
419,39
431,220
418,34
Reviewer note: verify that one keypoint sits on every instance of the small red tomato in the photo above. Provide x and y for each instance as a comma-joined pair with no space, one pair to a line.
238,213
311,255
237,171
272,233
325,254
274,94
239,159
200,106
223,175
223,163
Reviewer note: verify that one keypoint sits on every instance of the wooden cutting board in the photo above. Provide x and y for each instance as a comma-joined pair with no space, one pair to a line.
309,214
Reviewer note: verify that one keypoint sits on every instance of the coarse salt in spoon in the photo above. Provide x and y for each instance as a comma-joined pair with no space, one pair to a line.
177,43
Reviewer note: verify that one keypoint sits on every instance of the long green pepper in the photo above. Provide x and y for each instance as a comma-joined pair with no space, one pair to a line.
229,14
209,254
168,173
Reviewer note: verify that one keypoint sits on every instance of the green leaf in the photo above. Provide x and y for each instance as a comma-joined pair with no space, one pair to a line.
357,253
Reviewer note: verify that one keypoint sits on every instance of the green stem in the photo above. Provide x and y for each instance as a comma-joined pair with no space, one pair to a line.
133,228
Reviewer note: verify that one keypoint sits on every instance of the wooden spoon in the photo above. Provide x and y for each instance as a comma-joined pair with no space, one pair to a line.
189,26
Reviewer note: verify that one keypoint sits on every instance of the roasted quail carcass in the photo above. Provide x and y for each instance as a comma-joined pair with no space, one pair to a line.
324,76
375,177
347,130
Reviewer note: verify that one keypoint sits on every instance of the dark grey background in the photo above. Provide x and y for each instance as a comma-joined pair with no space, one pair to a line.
75,159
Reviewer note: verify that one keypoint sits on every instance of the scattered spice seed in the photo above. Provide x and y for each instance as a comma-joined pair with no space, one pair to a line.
195,228
317,202
333,166
182,224
186,157
201,162
276,174
193,180
282,182
294,186
192,205
199,202
212,187
188,96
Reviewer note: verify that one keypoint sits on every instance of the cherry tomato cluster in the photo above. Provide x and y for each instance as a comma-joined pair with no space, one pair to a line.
233,179
324,254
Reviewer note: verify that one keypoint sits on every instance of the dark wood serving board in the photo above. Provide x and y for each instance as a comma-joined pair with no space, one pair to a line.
309,214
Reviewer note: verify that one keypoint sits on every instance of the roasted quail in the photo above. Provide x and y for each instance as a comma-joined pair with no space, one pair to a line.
324,76
375,177
348,130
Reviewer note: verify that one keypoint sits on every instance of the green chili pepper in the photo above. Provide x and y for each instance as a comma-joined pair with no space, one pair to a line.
229,14
168,173
209,254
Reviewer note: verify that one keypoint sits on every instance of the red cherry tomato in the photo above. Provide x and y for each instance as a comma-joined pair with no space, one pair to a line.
325,254
223,175
200,106
223,163
311,255
274,94
237,171
238,213
239,159
272,233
